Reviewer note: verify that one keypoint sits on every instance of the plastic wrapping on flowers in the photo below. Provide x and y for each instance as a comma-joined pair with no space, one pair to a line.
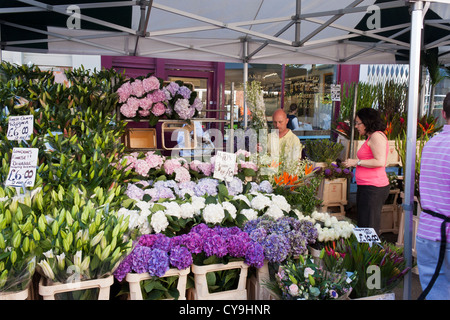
18,242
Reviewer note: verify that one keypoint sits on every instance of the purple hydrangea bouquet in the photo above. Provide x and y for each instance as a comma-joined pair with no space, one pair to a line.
281,238
203,245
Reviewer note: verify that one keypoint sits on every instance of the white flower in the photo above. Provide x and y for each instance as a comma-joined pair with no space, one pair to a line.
250,214
159,221
172,209
144,205
308,271
243,198
187,210
77,258
49,254
281,202
275,212
213,213
230,208
48,272
61,260
260,202
198,203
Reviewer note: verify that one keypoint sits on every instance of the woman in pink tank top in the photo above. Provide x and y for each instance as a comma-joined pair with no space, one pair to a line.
370,174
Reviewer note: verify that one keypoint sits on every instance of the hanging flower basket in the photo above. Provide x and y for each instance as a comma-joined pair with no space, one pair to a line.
134,281
51,290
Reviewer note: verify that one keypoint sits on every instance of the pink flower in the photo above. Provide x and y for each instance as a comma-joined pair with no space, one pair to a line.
124,92
154,160
158,96
150,84
133,103
198,104
128,111
142,167
137,88
206,168
293,290
159,109
249,165
170,165
194,165
182,174
146,103
144,113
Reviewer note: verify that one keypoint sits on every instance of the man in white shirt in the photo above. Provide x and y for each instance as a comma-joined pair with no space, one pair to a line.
283,143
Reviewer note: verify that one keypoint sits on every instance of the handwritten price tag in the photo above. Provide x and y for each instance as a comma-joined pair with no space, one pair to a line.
335,92
366,235
20,127
23,167
224,165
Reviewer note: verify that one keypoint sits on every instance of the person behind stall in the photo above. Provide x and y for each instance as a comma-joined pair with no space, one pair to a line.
370,174
282,142
433,233
292,116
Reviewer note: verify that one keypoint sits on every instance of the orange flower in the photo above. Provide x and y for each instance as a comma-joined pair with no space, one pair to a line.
308,169
274,164
388,128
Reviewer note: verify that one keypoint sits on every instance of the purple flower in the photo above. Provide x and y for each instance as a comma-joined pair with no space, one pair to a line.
237,245
139,259
258,234
193,241
276,247
206,186
147,240
172,88
123,269
255,255
158,262
180,257
185,92
215,245
162,242
265,186
235,186
327,172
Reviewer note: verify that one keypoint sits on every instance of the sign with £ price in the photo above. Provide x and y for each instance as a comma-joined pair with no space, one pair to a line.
224,166
366,235
335,92
22,171
20,127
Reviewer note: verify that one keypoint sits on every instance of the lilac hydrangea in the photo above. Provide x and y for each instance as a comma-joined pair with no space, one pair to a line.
215,245
124,268
139,259
276,247
180,257
206,186
255,255
158,262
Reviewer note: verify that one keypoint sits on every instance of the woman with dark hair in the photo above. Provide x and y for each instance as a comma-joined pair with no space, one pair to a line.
292,116
370,173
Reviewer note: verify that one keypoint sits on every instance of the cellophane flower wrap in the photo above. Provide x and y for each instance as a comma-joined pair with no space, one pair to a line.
304,280
18,241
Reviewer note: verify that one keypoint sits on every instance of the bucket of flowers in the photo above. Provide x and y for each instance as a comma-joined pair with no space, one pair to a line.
84,242
304,280
18,242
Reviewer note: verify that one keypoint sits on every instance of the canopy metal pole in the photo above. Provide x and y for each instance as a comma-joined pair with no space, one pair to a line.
413,102
245,43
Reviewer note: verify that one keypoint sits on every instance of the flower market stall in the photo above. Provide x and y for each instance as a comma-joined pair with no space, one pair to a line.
87,214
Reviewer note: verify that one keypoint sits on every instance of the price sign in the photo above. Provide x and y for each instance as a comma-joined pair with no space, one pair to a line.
23,167
335,92
20,127
224,165
366,235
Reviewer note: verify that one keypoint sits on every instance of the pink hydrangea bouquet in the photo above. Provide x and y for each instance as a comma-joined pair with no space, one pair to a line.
148,97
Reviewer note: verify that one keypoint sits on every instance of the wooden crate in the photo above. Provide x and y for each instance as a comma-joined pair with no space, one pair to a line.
140,138
333,194
16,295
